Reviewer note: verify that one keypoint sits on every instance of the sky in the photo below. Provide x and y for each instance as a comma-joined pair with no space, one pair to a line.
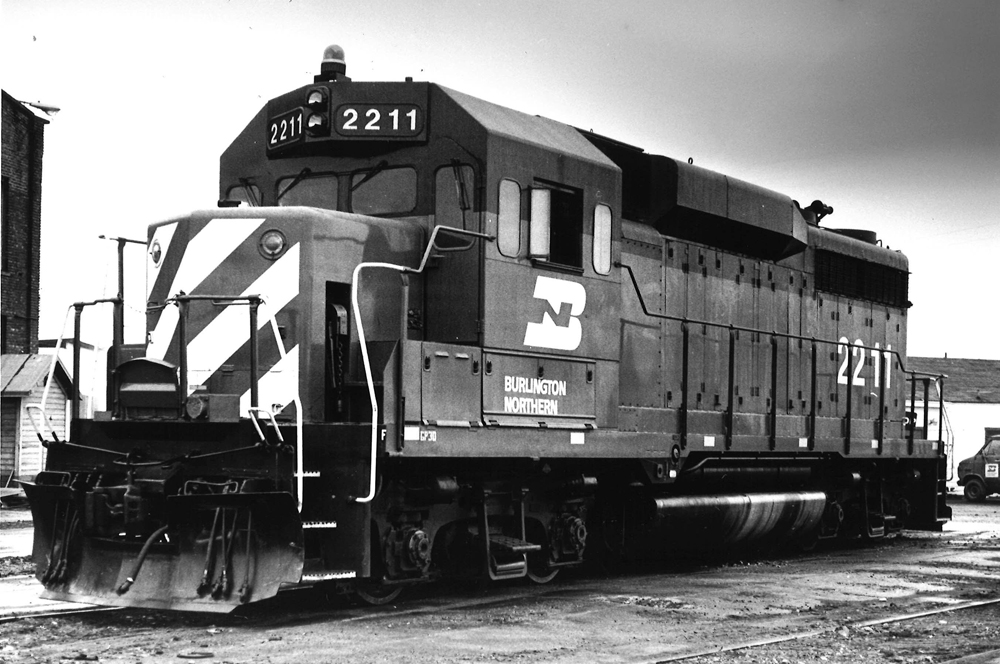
888,110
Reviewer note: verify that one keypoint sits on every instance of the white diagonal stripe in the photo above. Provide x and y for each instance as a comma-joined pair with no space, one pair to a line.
231,328
204,253
163,234
280,385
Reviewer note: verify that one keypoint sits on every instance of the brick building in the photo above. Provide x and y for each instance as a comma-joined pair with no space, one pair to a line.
23,144
23,373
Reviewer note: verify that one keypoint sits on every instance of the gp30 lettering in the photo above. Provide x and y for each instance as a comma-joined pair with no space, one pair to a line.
854,354
285,129
392,120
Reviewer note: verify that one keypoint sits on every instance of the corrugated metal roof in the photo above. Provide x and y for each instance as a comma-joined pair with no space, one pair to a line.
968,381
20,374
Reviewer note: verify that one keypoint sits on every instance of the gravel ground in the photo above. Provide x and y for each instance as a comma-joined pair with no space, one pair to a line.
16,566
641,617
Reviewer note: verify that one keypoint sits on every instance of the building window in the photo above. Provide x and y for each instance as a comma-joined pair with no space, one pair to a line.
557,225
509,218
602,239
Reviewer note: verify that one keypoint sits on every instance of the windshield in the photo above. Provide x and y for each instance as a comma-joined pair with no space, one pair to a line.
315,191
384,190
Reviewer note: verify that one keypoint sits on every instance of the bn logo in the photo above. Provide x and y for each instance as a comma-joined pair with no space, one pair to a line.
552,334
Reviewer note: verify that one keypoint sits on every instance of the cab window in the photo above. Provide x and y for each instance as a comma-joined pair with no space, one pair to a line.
246,194
316,191
557,225
602,239
384,190
509,218
453,191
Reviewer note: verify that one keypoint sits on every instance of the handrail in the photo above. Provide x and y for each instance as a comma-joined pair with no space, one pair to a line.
78,308
299,451
254,301
182,300
364,343
774,335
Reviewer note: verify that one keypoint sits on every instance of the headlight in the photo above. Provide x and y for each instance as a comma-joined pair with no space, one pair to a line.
272,244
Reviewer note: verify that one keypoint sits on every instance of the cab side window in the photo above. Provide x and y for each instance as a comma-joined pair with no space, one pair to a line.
509,219
245,193
453,195
602,239
557,225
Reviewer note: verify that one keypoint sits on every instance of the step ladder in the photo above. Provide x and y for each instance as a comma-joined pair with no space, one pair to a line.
314,572
874,518
506,557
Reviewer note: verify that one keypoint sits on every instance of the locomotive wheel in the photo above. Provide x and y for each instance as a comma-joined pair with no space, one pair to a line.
375,594
975,491
539,571
538,562
372,591
606,554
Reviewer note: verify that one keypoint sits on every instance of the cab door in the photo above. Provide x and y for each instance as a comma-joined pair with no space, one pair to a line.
453,277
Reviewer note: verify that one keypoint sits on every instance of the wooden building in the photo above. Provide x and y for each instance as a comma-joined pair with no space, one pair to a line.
23,379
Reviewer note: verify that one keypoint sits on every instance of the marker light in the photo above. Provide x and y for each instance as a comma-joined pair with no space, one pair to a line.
316,99
317,125
272,244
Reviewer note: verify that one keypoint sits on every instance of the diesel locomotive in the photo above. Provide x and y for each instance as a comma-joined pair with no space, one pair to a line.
427,336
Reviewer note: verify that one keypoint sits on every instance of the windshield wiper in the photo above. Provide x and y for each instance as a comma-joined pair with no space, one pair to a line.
248,189
463,196
378,168
297,179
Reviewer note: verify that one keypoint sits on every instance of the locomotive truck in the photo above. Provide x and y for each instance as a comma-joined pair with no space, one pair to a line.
426,336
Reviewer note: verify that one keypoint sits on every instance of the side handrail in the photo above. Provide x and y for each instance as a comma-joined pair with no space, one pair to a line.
77,308
299,450
269,416
926,379
774,335
372,480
